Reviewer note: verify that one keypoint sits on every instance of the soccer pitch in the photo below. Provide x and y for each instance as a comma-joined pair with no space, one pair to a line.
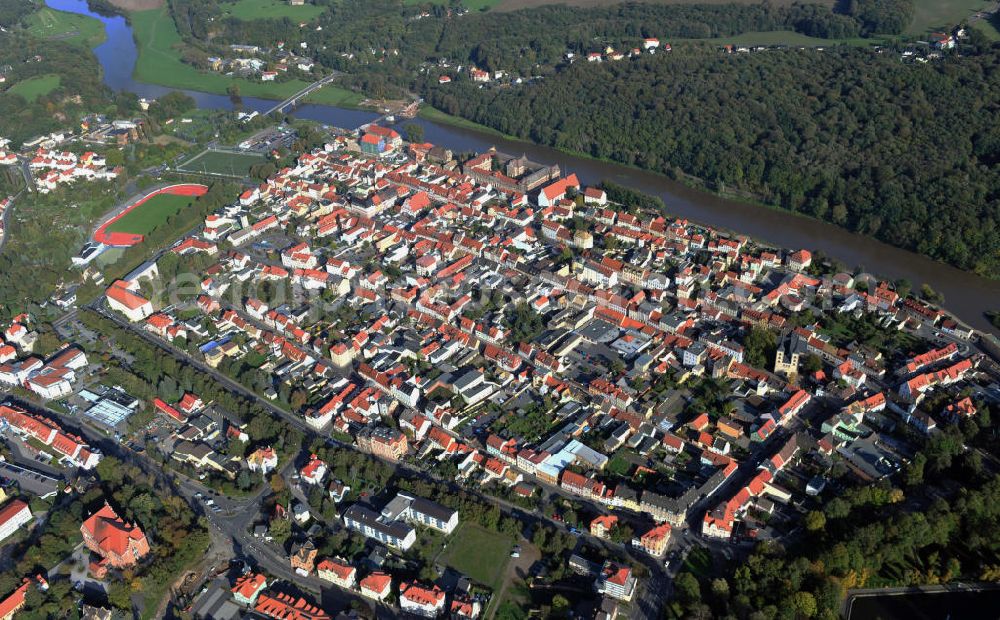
222,163
147,216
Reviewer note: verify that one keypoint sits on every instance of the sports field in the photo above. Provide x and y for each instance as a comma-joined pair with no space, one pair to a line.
152,213
222,163
33,88
146,213
159,62
48,23
271,9
478,553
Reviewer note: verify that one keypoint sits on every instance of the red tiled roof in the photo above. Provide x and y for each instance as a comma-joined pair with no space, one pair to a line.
110,531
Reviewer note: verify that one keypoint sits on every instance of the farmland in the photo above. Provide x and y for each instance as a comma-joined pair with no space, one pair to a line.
154,212
48,23
159,62
33,88
931,15
271,9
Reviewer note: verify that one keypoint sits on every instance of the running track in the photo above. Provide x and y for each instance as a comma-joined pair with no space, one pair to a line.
124,239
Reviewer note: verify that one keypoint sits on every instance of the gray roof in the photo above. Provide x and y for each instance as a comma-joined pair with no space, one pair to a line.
216,603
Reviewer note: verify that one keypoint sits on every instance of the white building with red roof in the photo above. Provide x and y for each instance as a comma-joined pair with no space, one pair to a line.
264,460
421,600
616,580
12,516
314,471
552,193
337,572
376,586
248,588
122,297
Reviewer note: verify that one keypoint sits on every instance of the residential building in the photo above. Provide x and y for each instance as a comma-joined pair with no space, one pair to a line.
384,442
395,534
376,586
337,572
12,516
421,511
654,542
248,587
420,600
616,581
121,544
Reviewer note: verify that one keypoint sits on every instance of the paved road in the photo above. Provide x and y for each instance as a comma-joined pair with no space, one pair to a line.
29,180
6,217
655,586
305,92
233,522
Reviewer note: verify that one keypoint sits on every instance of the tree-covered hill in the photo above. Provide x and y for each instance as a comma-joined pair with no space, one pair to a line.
906,153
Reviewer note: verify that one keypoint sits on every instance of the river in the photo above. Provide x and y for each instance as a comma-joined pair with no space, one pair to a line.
969,605
966,294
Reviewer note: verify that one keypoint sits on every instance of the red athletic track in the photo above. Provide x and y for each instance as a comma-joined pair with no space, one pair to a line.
123,239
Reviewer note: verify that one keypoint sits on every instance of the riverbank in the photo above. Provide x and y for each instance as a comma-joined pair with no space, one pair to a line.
967,295
693,182
53,25
159,62
434,115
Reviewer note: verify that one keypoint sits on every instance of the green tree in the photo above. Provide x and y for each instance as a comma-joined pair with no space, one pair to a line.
804,603
560,606
414,132
759,347
280,530
815,521
687,588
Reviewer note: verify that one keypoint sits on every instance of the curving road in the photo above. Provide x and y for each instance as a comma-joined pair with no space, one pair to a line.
652,591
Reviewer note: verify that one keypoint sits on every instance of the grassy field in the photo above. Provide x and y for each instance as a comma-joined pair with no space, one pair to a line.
271,9
48,23
35,87
222,162
109,257
988,29
152,213
472,5
478,553
511,5
160,63
929,15
437,116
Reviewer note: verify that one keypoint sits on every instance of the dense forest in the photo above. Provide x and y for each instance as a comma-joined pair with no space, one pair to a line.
520,40
13,11
79,90
906,153
934,524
